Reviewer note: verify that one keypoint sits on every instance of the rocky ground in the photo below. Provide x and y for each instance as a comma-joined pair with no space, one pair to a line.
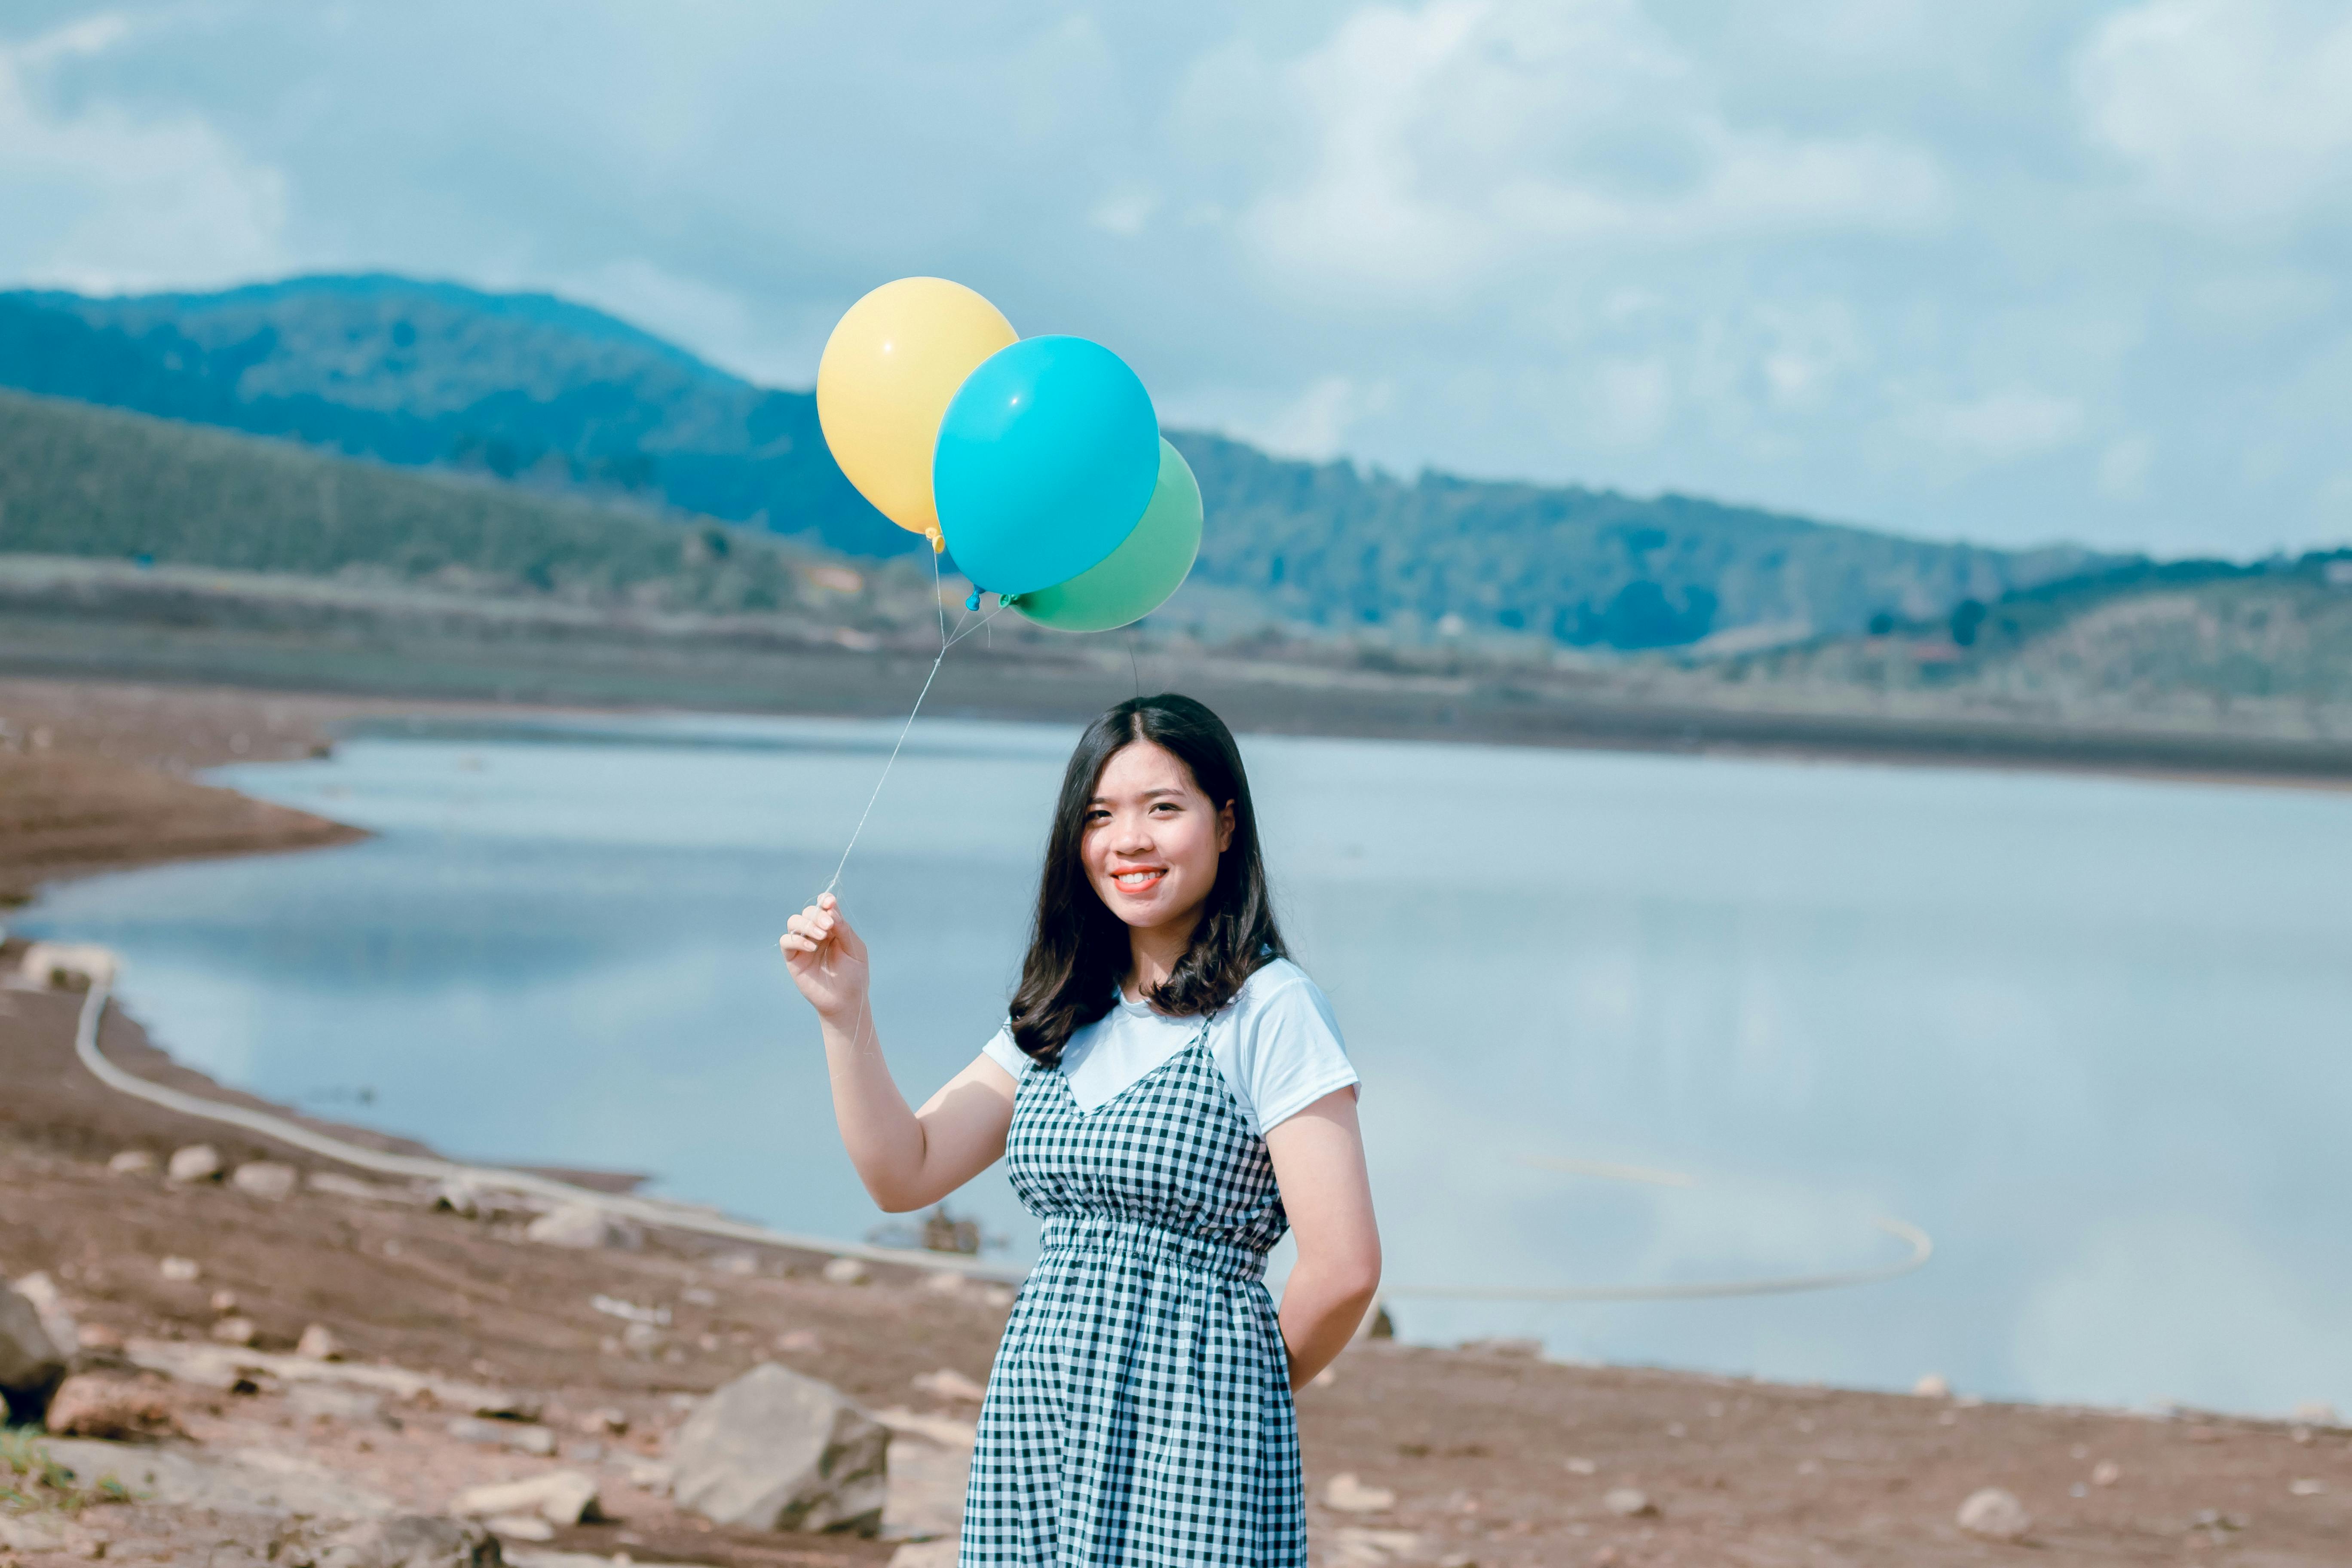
204,1420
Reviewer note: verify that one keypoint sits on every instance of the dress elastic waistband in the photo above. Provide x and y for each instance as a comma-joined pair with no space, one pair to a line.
1200,1254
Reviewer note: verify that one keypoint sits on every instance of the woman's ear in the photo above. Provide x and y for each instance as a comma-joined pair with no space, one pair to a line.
1225,827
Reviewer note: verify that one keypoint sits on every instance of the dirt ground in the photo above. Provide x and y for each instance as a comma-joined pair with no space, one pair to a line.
93,775
1492,1456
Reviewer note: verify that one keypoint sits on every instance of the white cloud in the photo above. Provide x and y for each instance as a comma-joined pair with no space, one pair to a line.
102,198
1315,424
1126,211
2123,468
2227,109
2019,422
1472,138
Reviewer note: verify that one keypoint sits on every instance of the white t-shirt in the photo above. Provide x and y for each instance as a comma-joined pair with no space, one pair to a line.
1276,1044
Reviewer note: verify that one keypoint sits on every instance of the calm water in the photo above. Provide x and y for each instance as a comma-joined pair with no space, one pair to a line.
2089,1034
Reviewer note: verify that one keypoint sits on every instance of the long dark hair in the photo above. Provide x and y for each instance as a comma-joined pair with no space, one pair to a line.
1079,949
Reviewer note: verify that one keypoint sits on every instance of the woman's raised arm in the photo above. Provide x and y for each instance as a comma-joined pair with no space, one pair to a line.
908,1159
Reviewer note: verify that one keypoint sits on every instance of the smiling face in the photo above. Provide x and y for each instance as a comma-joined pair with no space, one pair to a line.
1152,839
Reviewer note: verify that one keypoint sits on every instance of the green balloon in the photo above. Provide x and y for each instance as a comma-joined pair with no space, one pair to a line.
1135,578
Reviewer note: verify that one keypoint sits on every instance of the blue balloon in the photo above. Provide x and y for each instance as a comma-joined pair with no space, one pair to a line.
1047,456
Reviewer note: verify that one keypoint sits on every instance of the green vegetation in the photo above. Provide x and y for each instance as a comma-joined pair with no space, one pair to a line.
2193,637
79,480
30,1479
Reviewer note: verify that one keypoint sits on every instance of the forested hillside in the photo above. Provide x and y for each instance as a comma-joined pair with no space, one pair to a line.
79,480
556,397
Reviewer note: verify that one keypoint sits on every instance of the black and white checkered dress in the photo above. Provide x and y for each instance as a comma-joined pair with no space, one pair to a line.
1139,1410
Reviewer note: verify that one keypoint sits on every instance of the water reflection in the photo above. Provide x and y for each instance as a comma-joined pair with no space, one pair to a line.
2081,1030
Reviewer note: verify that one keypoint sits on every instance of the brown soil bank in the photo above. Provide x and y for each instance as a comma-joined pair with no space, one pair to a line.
1492,1456
92,777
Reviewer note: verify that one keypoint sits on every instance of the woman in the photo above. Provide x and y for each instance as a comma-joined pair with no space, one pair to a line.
1173,1095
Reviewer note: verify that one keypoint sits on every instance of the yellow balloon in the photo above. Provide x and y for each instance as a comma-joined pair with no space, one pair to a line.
889,372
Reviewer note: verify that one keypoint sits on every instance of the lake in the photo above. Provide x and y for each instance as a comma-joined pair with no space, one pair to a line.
2089,1034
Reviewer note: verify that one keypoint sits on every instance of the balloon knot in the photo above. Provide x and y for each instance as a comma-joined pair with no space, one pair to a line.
972,603
939,542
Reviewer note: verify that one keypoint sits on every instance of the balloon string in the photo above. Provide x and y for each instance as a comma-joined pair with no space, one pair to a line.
946,642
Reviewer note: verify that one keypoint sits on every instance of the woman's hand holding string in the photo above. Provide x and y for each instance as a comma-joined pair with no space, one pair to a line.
908,1159
827,960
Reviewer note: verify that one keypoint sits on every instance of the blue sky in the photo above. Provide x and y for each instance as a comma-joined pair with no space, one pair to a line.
2011,270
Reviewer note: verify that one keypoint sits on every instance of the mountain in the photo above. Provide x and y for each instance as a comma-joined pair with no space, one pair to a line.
554,396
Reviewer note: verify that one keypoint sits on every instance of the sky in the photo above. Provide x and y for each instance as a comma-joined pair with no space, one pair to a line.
2008,271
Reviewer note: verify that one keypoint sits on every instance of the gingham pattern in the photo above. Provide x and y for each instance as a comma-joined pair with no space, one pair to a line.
1139,1410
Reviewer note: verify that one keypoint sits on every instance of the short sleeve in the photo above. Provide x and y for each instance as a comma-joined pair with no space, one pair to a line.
1000,1050
1288,1054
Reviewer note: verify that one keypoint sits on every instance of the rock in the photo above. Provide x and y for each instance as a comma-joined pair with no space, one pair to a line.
111,1407
242,1481
19,1533
2306,1486
2106,1473
939,1554
131,1162
1996,1515
522,1527
944,1282
1580,1467
652,1476
696,1296
1349,1495
582,1225
1932,1386
98,1337
217,1366
327,1401
607,1422
1629,1502
318,1344
642,1339
737,1263
57,965
197,1163
334,1184
31,1363
527,1437
587,1451
265,1179
774,1450
408,1541
845,1272
949,1383
236,1331
799,1342
1352,1546
179,1271
2316,1413
224,1302
458,1197
559,1496
57,1317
